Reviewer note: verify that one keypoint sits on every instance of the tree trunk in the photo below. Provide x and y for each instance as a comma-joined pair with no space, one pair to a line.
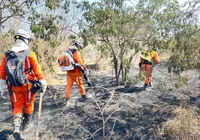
122,69
127,68
116,69
0,20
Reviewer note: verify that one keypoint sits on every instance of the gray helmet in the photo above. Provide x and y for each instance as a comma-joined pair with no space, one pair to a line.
155,49
78,44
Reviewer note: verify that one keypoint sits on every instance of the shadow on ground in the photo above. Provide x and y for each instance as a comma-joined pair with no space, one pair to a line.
130,89
4,134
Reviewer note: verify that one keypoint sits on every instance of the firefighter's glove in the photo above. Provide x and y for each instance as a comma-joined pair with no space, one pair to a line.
3,88
43,85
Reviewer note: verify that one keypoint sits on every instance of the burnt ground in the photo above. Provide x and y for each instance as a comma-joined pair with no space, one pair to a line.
111,112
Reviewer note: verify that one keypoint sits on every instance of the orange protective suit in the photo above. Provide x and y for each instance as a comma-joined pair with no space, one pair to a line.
21,96
75,76
148,64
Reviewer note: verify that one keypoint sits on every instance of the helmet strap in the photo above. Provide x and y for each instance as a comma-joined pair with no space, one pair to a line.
20,38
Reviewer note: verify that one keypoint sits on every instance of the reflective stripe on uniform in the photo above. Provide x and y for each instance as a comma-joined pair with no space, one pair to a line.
15,98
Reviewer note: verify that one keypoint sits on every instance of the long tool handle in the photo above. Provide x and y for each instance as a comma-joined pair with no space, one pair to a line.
39,114
87,79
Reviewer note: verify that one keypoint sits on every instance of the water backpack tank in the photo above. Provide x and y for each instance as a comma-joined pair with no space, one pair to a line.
146,56
15,67
66,61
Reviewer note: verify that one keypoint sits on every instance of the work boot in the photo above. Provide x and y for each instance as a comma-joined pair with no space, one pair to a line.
145,86
17,126
67,101
26,121
83,98
150,84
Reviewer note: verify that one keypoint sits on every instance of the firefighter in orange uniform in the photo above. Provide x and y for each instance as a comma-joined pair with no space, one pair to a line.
75,75
22,97
148,60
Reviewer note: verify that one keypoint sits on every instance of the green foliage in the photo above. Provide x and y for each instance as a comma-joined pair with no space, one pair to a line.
181,81
49,60
52,4
34,48
118,30
72,37
186,51
46,29
150,23
111,23
140,76
46,18
53,44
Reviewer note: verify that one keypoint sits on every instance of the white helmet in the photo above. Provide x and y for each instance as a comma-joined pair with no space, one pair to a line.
21,41
22,33
78,44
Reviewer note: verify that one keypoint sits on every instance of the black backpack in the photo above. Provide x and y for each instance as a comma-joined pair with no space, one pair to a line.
15,67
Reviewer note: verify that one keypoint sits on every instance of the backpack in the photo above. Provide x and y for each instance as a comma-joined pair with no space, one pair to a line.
66,62
15,67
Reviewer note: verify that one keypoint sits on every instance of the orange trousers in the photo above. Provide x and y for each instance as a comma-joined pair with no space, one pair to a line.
148,72
22,100
77,78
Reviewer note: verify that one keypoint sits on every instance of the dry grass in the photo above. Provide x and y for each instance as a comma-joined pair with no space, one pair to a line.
48,60
164,56
184,126
47,57
5,43
93,57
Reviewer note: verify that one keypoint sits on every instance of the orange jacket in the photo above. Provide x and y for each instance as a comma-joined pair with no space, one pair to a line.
35,68
77,59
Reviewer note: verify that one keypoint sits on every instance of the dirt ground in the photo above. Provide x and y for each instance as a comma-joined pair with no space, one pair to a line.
111,112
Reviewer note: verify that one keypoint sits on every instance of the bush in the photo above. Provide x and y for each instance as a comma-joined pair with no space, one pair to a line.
185,125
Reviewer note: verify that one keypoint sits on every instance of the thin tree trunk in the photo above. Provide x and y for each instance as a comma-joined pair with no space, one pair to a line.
0,20
116,69
122,74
